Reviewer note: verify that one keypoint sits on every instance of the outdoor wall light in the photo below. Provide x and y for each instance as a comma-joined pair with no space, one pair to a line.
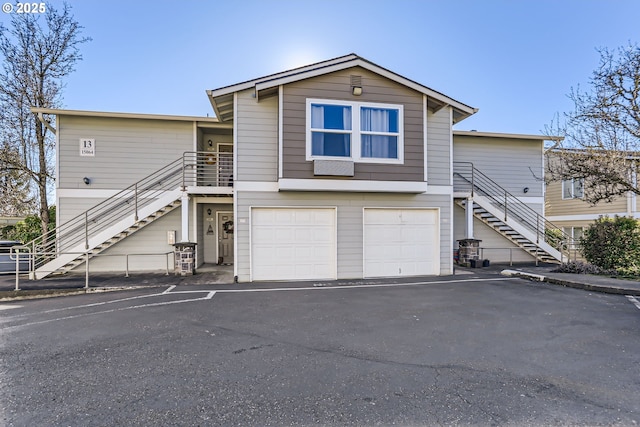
356,90
526,190
86,180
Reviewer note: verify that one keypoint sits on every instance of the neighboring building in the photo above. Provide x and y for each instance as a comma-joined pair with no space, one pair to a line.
6,221
340,169
566,207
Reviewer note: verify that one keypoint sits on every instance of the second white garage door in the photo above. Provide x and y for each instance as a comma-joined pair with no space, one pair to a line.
401,242
293,243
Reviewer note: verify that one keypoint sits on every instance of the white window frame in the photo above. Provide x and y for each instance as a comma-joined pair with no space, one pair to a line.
356,132
571,231
572,182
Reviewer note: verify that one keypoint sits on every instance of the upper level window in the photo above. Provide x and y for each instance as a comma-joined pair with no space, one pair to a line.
331,130
379,133
362,132
573,188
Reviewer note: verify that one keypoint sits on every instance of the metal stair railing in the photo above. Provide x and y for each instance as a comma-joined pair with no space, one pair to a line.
467,178
192,168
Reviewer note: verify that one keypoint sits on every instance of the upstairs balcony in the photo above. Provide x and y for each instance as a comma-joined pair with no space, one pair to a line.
208,172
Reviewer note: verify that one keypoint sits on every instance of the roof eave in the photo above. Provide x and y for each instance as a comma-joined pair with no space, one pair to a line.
108,114
474,133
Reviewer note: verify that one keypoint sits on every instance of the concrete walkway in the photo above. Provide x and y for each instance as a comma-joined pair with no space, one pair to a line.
74,283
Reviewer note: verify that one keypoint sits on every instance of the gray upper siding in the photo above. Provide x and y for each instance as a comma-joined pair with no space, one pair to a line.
439,147
512,163
257,137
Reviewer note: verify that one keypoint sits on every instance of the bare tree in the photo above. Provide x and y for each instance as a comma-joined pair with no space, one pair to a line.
38,51
601,143
15,194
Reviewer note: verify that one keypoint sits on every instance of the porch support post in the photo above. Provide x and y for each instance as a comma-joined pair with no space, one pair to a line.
185,216
469,217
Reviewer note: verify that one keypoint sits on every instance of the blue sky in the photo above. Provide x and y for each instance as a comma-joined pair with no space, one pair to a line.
514,60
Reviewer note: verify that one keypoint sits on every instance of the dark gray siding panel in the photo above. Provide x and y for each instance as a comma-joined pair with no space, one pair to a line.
337,86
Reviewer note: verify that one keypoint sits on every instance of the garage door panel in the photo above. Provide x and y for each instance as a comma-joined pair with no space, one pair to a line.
282,216
382,217
400,242
293,243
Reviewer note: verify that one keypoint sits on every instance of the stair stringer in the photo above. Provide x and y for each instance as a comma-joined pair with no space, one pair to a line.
486,204
123,225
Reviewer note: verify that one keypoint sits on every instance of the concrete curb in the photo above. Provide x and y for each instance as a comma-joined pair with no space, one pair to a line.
6,296
571,283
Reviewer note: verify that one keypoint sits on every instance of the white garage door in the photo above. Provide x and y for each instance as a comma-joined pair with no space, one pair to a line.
293,243
401,242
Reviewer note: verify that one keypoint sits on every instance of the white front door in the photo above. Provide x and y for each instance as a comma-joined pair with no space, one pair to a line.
401,242
210,238
225,237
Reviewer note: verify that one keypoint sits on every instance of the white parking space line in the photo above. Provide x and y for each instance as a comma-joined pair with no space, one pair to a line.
322,286
8,307
210,294
634,301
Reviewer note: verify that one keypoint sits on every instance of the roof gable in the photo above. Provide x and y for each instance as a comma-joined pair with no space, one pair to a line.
222,99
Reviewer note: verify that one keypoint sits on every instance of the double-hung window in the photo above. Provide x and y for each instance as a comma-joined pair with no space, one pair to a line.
357,131
331,129
573,188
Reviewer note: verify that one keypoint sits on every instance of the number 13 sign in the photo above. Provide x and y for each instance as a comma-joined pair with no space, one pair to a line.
87,147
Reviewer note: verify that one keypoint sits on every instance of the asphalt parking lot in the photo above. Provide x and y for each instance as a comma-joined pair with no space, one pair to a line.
457,350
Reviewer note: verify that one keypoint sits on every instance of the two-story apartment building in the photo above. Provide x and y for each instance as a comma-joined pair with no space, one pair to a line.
340,169
566,205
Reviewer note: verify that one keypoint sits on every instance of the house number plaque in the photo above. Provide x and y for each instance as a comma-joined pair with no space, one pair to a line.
87,147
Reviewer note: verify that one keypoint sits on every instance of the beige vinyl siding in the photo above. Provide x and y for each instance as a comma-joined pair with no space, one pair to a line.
257,137
337,86
70,207
199,235
439,147
152,239
349,226
495,245
577,223
514,164
126,149
557,206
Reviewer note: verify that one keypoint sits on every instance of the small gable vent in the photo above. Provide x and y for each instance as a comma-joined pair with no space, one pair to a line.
356,81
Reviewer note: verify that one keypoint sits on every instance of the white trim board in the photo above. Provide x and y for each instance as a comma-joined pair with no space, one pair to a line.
588,217
415,187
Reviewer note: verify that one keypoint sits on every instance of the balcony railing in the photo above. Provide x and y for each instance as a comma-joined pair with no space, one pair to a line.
207,169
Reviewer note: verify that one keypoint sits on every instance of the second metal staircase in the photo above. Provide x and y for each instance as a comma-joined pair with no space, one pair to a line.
508,215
